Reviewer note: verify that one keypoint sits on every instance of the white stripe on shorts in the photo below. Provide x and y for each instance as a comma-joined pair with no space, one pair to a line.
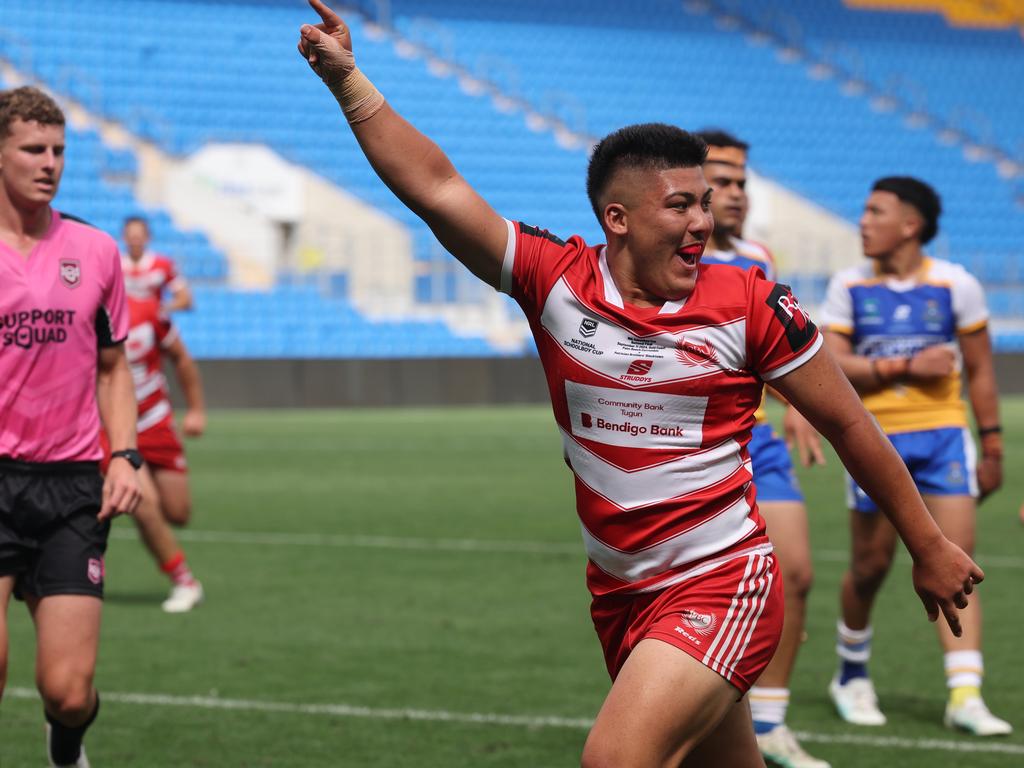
744,611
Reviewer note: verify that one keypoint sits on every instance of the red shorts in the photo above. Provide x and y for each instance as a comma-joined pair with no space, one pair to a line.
159,445
729,619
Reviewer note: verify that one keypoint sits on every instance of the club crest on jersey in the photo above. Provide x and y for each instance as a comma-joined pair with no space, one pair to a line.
588,327
691,353
71,272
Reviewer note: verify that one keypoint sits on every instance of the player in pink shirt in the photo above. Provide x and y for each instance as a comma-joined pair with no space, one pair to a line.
62,366
148,275
655,366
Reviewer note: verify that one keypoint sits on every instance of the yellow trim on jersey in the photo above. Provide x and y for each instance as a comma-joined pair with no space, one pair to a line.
761,414
916,407
843,329
972,328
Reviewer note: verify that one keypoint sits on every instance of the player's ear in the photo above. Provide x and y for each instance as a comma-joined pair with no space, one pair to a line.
616,219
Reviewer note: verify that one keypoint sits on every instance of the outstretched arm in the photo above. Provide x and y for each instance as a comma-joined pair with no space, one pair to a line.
943,574
412,166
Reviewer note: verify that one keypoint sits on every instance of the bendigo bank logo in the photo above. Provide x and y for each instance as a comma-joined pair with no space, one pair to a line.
691,353
71,272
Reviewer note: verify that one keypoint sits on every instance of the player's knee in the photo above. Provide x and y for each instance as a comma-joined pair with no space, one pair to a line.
869,572
69,701
609,752
178,514
797,580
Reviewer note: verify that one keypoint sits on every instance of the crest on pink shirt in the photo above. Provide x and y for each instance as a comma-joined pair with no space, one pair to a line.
71,272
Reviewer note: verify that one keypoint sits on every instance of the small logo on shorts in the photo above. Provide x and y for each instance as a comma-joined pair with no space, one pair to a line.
95,571
955,476
701,623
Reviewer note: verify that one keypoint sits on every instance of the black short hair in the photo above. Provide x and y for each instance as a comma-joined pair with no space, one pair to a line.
918,194
136,218
716,137
655,146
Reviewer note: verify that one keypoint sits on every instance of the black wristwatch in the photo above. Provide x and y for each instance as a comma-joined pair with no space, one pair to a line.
133,456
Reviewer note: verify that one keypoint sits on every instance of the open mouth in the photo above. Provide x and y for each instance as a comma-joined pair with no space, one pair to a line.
690,254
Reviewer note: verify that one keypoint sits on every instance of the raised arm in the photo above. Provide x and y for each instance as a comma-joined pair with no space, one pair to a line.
943,574
412,165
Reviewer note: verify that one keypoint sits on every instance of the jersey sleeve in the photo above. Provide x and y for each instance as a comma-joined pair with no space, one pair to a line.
780,334
112,314
173,280
969,305
836,311
534,259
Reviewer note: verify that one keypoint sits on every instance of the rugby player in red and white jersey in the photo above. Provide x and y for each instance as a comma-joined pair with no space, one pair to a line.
63,324
655,366
149,275
166,497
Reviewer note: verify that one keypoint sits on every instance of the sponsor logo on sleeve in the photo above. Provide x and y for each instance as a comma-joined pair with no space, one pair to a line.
799,328
71,272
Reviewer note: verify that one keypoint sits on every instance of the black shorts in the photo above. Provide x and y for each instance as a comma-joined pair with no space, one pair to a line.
50,539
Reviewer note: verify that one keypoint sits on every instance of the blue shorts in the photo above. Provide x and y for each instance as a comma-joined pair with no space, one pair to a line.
943,462
774,476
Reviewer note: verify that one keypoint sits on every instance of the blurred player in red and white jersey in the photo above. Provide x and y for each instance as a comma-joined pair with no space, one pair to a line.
655,367
148,275
779,498
164,477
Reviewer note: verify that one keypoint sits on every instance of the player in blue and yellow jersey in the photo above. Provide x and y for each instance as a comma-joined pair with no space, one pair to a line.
902,326
779,498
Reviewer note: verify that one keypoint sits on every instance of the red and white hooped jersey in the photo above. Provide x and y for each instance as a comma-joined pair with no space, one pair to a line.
150,333
148,277
655,405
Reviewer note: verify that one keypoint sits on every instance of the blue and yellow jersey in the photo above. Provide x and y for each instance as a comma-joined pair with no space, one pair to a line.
887,317
746,255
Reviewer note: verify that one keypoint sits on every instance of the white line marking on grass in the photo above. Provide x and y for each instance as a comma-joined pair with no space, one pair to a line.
490,718
454,545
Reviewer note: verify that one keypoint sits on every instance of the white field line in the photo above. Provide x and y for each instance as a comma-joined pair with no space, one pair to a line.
454,545
490,718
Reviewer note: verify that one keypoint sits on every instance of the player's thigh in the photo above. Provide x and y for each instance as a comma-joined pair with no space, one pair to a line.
67,638
175,493
955,516
663,703
731,743
790,537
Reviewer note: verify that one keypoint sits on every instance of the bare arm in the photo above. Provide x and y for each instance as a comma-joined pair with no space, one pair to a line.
191,383
871,374
943,574
181,298
412,165
115,397
981,390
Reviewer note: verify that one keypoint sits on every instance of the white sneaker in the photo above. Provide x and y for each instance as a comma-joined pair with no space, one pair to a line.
856,701
81,762
183,598
973,716
779,746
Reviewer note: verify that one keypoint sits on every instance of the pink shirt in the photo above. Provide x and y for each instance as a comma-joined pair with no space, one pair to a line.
57,307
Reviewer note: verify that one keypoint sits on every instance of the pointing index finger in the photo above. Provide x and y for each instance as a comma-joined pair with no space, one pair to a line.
329,16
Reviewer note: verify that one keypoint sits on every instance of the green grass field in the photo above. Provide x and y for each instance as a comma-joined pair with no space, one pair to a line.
405,588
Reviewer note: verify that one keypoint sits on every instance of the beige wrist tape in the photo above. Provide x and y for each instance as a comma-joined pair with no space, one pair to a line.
358,97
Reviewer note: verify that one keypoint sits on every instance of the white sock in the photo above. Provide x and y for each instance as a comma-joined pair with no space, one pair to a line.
964,668
853,644
769,705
